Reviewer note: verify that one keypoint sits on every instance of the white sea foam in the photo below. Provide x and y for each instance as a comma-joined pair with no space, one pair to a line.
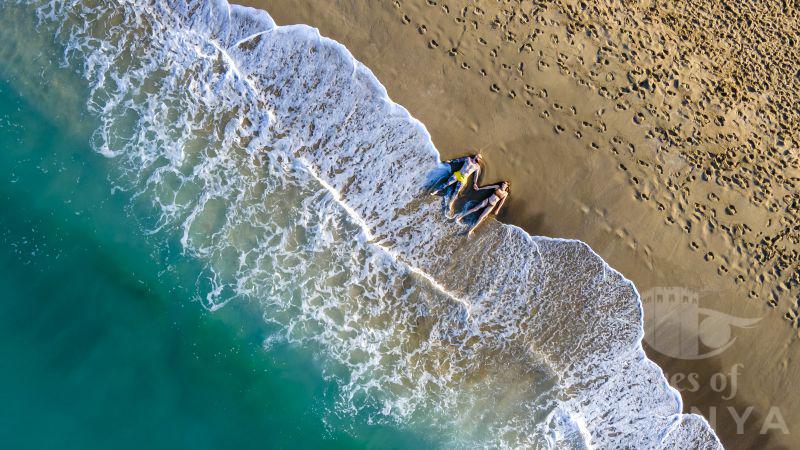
280,163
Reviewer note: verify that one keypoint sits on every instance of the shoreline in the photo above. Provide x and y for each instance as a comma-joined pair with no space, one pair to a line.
651,392
599,208
684,427
640,350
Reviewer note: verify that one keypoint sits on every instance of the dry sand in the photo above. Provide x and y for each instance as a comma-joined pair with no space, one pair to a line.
664,134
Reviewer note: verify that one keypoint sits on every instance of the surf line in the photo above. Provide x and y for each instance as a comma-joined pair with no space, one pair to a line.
335,193
238,76
337,197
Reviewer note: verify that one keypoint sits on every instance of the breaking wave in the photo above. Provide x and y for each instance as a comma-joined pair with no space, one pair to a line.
281,165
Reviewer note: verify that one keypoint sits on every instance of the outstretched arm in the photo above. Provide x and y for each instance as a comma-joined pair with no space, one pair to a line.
456,160
475,178
491,186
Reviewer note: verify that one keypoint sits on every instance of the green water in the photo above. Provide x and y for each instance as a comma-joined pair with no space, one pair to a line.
99,347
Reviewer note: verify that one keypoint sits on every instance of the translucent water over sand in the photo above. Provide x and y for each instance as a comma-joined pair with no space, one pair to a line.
281,167
99,348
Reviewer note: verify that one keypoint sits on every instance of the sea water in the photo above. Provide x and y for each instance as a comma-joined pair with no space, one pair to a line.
98,347
222,225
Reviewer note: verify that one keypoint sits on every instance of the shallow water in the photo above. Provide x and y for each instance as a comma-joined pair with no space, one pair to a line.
99,351
201,157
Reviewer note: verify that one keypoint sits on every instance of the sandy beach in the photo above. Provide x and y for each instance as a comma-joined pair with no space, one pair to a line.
661,135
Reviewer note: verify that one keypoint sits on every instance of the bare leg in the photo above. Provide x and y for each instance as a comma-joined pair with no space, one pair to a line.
449,183
459,188
483,217
472,210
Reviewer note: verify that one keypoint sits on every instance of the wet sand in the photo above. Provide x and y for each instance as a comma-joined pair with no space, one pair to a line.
662,135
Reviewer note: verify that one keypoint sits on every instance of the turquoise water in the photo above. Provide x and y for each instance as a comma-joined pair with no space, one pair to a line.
99,351
201,251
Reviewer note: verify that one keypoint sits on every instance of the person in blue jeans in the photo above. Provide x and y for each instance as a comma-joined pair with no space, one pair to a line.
470,165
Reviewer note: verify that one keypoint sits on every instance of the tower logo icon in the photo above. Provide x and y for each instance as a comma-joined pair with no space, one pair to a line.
676,326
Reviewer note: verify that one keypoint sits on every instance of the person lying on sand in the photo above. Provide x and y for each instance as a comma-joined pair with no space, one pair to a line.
493,203
469,165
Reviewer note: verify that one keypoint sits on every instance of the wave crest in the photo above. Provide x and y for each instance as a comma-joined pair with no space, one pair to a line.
278,161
